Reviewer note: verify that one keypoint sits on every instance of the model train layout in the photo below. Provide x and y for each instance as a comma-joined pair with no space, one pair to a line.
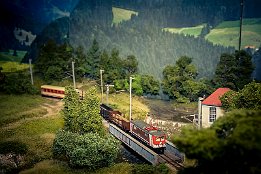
150,135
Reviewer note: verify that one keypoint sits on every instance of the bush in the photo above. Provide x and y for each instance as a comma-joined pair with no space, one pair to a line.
18,83
89,150
13,147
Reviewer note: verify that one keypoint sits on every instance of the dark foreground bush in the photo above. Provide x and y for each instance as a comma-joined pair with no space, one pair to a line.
15,147
89,150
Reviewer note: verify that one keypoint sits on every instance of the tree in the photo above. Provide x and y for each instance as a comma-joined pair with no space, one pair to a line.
179,81
82,116
93,60
227,146
18,83
130,65
83,142
80,62
233,70
54,57
150,85
249,98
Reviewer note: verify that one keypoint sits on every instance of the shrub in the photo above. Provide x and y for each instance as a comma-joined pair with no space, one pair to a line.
89,150
18,83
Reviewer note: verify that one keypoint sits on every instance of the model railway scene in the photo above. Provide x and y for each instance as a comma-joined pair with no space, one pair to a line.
148,134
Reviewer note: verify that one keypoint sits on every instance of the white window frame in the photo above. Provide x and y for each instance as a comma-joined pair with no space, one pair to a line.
212,114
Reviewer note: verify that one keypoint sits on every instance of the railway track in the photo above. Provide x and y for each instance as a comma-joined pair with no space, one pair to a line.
171,163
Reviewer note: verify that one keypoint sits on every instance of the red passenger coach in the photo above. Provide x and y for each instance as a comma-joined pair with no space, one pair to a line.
52,91
149,134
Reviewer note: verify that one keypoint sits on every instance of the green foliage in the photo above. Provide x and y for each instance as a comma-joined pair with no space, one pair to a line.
179,81
248,98
88,150
130,65
150,85
234,70
93,60
82,116
54,61
13,147
226,146
18,83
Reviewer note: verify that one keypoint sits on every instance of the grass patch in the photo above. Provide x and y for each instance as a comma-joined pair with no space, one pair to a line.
192,31
38,135
57,167
14,107
227,33
120,14
121,102
13,66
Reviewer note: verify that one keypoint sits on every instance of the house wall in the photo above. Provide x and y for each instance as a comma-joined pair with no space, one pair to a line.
205,115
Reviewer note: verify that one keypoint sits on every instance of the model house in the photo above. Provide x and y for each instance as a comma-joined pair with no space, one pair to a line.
211,107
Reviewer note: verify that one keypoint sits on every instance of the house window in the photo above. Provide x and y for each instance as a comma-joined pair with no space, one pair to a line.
212,114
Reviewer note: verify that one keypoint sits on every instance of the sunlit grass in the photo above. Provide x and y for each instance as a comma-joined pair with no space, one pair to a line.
120,14
227,33
193,31
13,66
121,102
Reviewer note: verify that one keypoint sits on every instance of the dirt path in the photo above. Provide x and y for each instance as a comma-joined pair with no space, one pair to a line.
52,109
165,110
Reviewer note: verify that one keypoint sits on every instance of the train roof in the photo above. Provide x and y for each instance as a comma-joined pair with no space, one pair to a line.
150,129
53,87
106,107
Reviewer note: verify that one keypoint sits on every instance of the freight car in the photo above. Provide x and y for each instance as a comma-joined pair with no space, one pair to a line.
149,135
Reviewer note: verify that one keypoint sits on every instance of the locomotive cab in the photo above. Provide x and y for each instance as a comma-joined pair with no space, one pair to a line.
151,135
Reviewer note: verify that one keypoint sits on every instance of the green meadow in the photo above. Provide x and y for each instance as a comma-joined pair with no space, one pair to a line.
120,14
192,31
227,33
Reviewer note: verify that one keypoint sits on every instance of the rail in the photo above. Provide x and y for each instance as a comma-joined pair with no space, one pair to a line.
171,163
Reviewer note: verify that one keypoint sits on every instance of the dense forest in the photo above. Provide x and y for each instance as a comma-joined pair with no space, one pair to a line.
143,34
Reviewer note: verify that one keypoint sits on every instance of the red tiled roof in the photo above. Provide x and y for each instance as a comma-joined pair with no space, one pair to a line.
213,99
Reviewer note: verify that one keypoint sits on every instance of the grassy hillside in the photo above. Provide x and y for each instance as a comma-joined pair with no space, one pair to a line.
227,33
8,56
193,31
120,15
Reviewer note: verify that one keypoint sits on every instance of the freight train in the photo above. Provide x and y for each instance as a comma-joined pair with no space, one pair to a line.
149,135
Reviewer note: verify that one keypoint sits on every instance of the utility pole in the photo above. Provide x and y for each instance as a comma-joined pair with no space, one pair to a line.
241,21
131,78
31,71
74,85
200,99
101,71
107,92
